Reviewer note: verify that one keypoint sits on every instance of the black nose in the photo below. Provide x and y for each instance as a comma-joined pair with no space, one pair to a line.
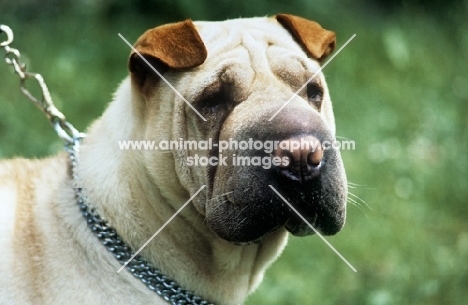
305,156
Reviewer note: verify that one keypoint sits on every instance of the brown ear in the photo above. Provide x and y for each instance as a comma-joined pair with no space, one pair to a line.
318,42
175,45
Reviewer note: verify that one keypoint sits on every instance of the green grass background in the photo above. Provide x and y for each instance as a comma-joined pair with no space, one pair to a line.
400,90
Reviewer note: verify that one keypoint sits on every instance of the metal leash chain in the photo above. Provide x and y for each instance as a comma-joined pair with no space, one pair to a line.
64,129
165,287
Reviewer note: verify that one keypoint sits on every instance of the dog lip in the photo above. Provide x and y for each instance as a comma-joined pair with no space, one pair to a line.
246,237
253,242
296,226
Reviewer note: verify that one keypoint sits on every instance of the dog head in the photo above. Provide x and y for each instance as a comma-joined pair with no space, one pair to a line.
237,76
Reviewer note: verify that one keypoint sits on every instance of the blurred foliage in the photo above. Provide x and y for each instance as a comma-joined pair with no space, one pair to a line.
400,90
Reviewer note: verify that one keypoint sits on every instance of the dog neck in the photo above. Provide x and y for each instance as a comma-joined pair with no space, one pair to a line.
119,187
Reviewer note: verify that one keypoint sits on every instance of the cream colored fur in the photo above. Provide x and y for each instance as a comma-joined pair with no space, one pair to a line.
49,255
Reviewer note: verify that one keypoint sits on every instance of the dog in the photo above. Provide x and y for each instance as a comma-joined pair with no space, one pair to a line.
236,75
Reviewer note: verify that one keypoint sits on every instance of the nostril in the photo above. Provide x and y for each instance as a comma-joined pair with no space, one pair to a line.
315,157
305,155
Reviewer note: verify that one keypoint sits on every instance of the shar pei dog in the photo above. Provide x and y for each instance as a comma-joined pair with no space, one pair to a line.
68,223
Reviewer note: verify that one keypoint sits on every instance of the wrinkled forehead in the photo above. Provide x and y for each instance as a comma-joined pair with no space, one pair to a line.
235,30
255,35
260,43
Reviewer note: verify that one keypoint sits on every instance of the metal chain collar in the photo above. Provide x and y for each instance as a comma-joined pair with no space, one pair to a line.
164,286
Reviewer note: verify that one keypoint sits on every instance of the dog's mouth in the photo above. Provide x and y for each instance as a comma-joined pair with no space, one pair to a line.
248,214
251,202
295,225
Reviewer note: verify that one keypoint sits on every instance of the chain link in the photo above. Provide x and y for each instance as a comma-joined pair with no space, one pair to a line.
64,129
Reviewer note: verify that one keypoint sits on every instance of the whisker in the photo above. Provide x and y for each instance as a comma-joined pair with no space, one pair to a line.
360,200
343,138
357,205
226,193
355,185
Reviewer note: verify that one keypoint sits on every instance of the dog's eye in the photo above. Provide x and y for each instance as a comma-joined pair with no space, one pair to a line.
214,100
315,94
